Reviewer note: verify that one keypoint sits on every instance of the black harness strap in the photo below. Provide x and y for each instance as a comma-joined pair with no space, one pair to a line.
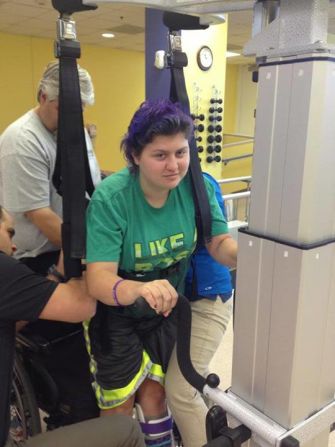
72,174
71,145
152,275
178,93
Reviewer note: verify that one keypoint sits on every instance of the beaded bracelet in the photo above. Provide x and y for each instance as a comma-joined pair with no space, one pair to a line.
115,298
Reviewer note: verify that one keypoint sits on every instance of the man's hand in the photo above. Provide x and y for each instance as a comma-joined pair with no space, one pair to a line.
19,325
60,263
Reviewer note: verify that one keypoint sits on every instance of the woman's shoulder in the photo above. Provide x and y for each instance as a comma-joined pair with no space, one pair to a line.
114,184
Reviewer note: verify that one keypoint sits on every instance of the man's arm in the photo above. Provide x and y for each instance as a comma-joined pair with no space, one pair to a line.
48,222
26,184
70,302
25,295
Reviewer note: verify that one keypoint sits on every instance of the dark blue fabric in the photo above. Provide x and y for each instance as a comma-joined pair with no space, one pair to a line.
211,278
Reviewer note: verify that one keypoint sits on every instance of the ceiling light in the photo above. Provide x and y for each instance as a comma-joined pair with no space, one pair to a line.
108,35
232,54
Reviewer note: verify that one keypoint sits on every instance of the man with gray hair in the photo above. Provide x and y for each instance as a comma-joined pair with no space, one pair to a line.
27,161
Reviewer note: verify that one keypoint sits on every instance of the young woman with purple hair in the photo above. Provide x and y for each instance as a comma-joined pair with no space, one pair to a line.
140,234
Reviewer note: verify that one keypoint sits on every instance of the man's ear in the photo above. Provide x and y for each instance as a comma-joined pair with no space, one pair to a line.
42,98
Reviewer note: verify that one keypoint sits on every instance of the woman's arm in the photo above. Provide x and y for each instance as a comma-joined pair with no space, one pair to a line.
102,277
223,248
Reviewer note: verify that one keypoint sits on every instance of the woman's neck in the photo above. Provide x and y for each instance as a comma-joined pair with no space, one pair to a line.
155,197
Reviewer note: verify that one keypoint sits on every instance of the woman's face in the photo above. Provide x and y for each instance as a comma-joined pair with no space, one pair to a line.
164,162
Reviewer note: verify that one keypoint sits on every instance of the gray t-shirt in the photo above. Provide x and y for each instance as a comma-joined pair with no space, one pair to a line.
27,162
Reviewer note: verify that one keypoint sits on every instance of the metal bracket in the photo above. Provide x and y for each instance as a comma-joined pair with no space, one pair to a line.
174,57
66,28
175,41
300,27
266,431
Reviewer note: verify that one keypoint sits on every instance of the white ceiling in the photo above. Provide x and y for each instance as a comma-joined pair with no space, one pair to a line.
38,18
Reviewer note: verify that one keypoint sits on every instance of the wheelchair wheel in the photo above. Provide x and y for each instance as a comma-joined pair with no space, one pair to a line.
24,413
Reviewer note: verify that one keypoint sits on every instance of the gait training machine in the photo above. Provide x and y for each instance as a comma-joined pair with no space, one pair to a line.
283,383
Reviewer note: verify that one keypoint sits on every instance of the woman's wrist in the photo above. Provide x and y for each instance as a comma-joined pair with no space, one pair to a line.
125,292
115,292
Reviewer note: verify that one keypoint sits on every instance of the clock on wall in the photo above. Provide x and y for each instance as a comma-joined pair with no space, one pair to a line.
205,58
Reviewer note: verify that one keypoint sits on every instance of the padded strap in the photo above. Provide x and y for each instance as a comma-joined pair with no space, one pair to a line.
156,428
71,147
178,93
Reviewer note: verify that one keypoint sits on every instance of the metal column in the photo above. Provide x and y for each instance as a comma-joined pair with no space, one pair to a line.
284,346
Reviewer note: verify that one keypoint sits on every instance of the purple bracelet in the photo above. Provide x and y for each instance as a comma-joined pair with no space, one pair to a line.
116,301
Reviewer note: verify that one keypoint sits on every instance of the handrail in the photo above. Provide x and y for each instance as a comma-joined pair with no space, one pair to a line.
237,143
237,135
225,161
235,179
236,195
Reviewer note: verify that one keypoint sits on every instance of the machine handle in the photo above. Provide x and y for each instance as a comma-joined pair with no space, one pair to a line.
184,319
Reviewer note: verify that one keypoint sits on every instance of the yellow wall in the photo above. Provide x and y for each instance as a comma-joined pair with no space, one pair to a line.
118,78
119,83
230,98
16,77
233,110
200,84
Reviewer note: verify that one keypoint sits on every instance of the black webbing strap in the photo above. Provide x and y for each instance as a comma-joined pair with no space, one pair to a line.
178,93
71,150
152,275
72,177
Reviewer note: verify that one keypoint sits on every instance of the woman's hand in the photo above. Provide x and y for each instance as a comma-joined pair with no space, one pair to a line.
160,295
102,278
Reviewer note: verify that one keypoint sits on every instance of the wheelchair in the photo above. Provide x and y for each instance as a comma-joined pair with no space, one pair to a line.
35,390
24,412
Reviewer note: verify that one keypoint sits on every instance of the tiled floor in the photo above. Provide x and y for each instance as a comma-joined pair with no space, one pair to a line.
221,364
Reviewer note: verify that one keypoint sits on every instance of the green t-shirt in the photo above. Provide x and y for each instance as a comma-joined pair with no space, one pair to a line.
123,227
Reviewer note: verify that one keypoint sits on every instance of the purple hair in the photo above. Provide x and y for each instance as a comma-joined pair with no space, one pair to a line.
153,118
